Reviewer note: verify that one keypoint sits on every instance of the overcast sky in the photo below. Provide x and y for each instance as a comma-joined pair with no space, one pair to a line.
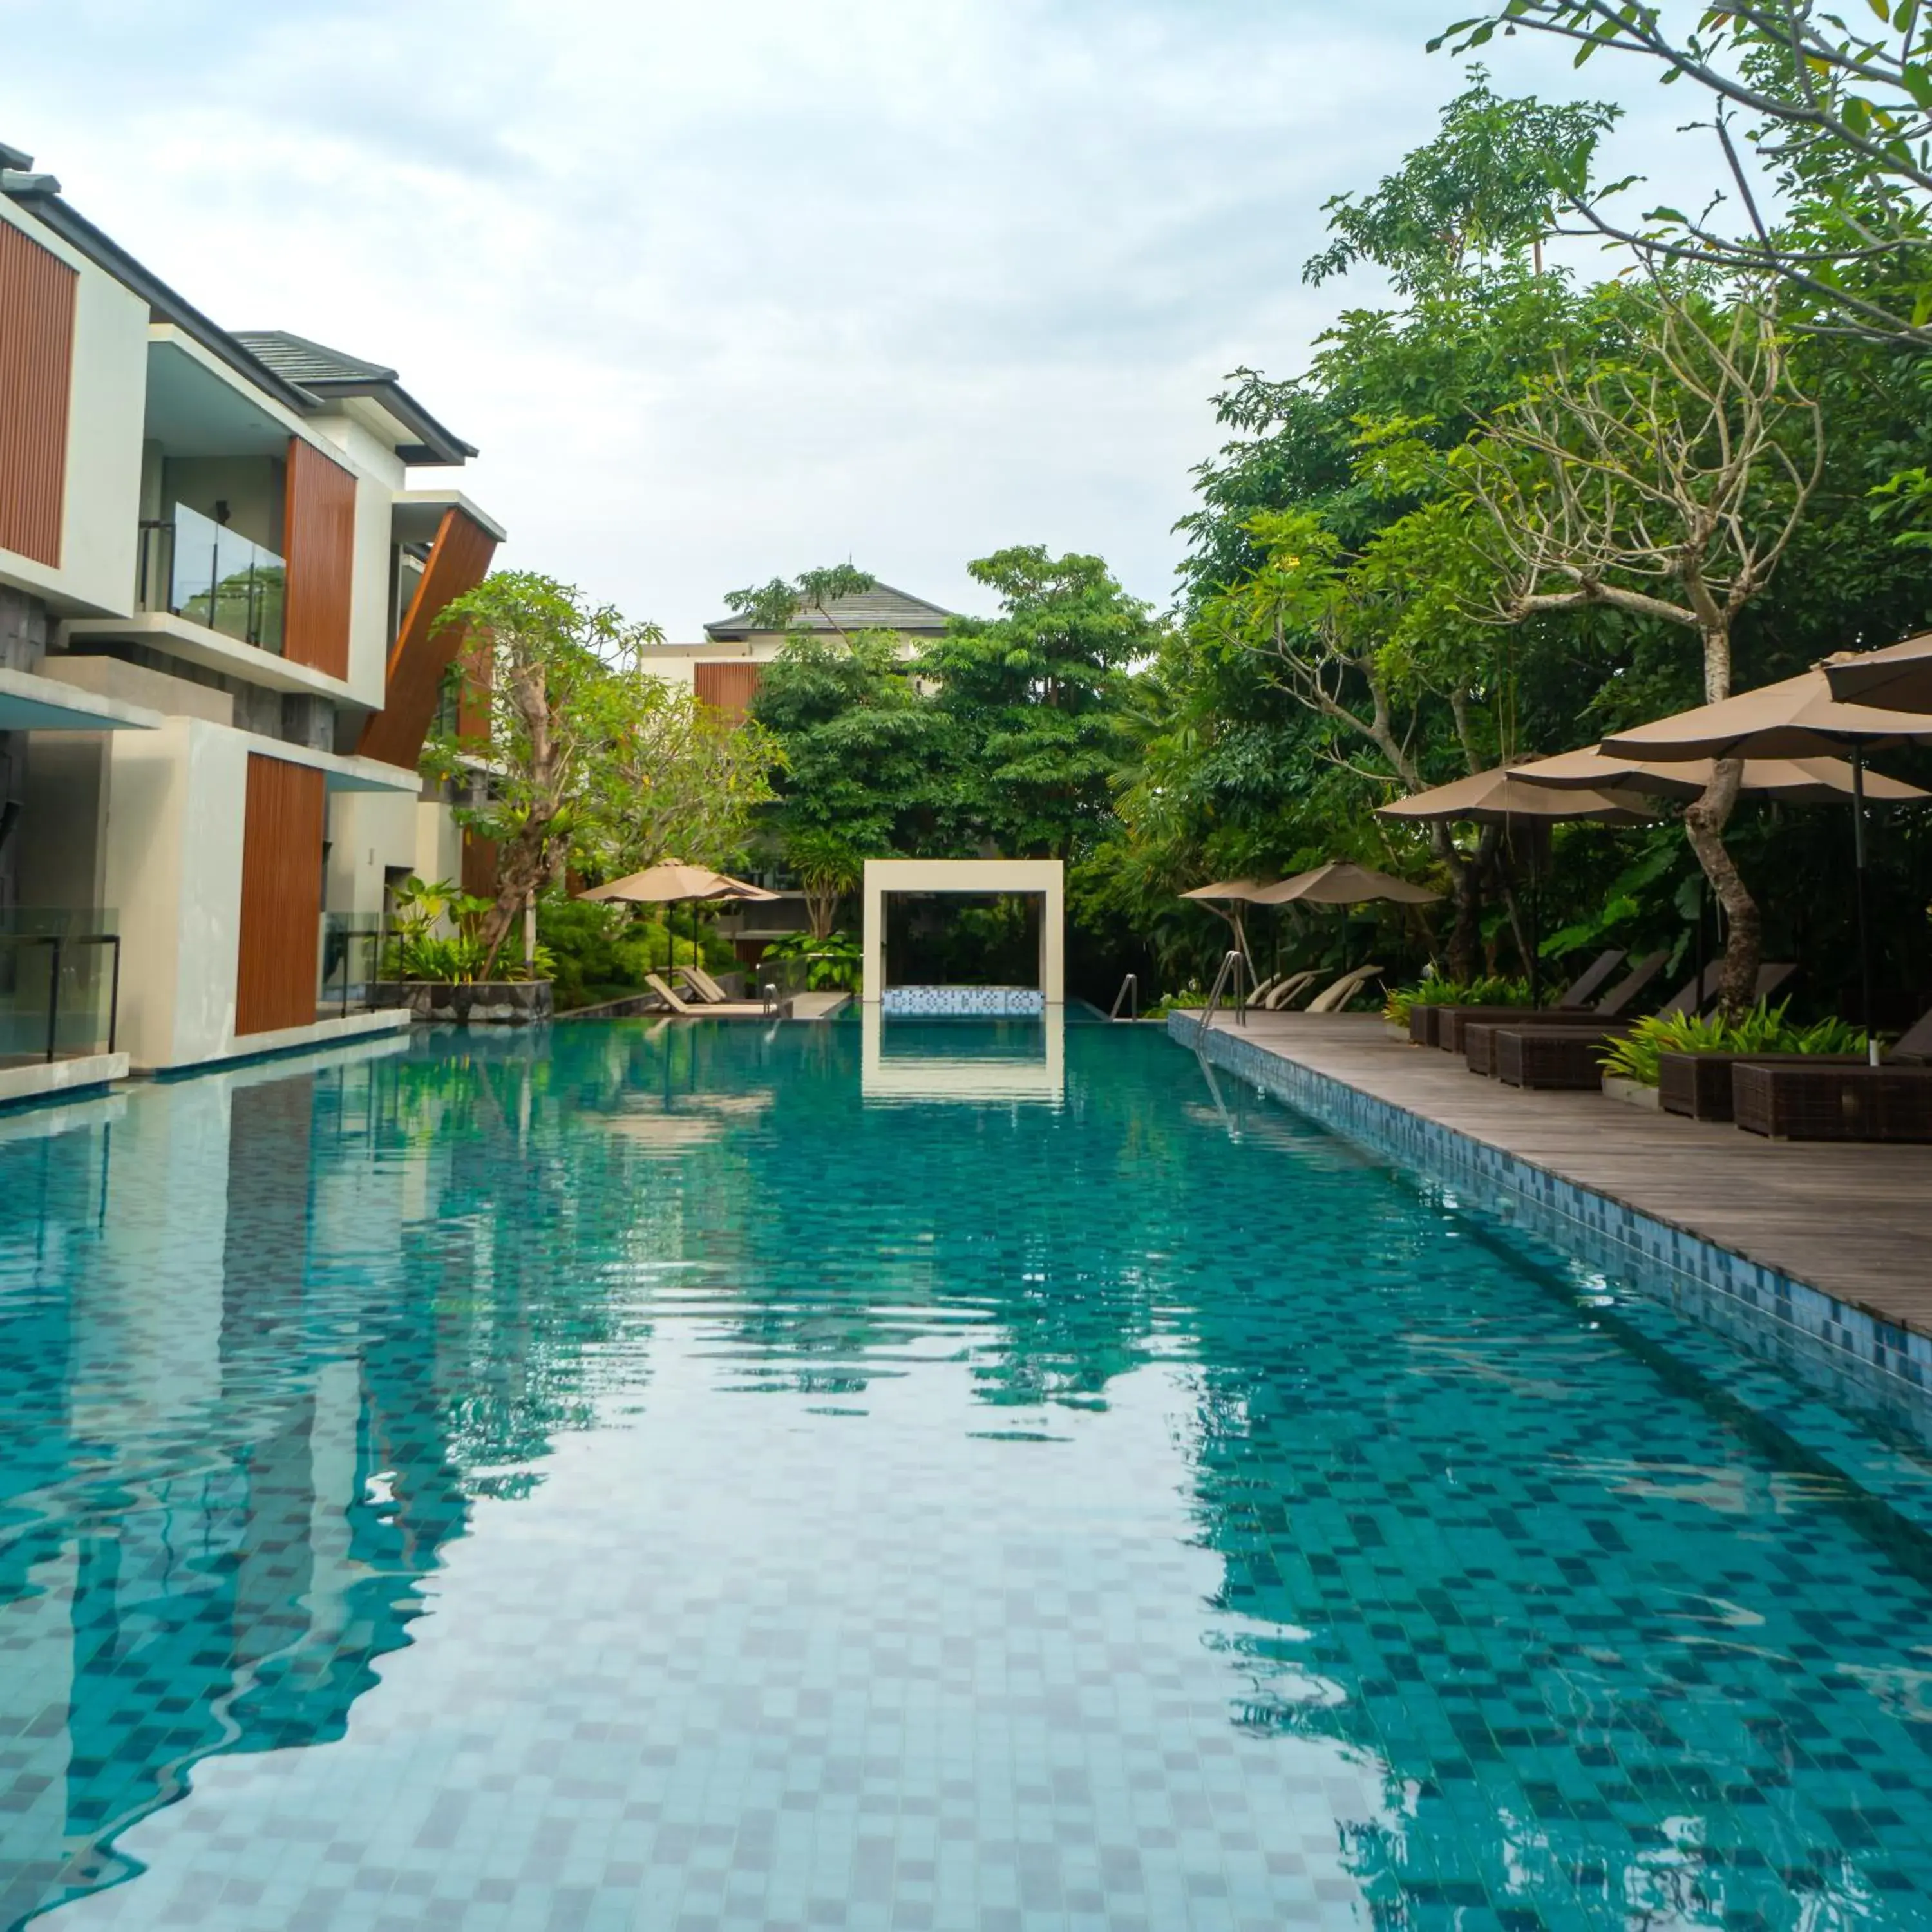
725,291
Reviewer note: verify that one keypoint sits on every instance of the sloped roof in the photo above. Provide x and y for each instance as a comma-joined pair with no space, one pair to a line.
880,608
302,361
329,374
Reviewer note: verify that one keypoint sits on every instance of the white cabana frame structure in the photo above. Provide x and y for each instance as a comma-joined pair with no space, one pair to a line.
1044,879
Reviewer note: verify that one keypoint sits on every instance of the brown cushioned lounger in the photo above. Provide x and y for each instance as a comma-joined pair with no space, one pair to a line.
1454,1021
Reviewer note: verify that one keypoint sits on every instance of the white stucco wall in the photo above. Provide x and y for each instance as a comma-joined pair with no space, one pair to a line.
1045,876
368,832
95,575
439,847
176,801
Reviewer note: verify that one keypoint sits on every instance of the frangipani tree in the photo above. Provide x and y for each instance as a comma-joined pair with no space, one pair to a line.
1665,484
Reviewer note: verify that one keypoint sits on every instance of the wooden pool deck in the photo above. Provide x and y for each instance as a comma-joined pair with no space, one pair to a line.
1854,1221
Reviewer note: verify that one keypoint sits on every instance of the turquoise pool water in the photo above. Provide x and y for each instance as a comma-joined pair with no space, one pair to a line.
703,1480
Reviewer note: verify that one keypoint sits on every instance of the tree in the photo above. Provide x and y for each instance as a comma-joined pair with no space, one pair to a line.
866,767
1666,486
1839,118
545,667
677,778
1036,698
777,605
1482,193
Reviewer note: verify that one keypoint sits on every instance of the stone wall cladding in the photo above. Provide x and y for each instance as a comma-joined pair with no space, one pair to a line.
24,627
496,1002
1842,1351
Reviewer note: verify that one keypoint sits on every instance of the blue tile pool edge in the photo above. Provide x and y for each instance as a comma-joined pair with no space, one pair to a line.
1845,1352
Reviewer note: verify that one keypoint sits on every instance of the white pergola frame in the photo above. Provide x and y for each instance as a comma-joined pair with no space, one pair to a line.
1046,879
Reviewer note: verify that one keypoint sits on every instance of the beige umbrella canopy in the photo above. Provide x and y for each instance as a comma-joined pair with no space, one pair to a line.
1338,882
1797,718
1795,781
670,883
1495,796
1899,677
1235,893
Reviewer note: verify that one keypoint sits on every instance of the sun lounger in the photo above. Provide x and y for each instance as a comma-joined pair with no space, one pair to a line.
1334,999
1453,1021
677,1004
1554,1059
1786,1102
1699,1087
707,989
1287,991
1582,989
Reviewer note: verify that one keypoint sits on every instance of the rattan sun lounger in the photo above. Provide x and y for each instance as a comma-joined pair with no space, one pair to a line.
1832,1102
1451,1021
1699,1085
1558,1059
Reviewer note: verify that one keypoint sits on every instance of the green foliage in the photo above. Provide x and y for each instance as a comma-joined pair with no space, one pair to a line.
1491,990
775,606
1036,700
421,948
602,951
1484,190
1763,1029
833,963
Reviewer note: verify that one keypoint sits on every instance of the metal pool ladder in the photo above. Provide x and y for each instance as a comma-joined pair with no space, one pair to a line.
1130,992
1233,965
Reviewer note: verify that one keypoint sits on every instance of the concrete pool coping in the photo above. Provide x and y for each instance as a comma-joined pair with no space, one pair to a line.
1821,1256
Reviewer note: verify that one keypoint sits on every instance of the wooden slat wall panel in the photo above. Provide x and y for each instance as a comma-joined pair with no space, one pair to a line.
479,866
459,560
319,544
281,896
728,688
36,302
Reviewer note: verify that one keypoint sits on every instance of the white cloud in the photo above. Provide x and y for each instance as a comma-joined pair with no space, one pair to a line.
730,291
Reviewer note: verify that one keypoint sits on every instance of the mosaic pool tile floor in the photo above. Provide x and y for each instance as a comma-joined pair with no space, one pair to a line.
632,1480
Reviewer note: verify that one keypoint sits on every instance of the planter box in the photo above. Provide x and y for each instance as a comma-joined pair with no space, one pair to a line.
1698,1085
1832,1102
478,1002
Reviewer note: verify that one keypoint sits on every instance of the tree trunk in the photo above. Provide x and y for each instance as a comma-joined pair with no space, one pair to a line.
1704,819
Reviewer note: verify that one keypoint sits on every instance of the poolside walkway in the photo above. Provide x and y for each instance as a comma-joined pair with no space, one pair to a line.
1854,1221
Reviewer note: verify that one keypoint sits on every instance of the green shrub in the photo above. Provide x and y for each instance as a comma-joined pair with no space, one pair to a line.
1492,990
834,964
1763,1029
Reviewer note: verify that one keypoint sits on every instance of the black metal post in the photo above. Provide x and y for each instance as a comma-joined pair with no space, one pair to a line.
1864,926
113,939
53,997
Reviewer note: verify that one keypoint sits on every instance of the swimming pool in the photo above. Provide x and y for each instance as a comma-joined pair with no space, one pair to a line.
653,1479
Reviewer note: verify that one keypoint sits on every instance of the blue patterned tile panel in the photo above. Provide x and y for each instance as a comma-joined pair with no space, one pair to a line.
982,1002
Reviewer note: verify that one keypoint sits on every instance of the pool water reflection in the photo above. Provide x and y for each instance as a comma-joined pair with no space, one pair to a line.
641,1478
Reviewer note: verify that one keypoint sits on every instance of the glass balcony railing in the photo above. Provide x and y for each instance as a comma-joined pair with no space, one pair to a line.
350,962
60,980
212,575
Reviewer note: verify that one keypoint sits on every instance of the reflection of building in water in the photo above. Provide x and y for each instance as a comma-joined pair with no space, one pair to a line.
964,1059
229,1492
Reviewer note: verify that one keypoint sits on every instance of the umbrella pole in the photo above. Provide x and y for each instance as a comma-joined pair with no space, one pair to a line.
1865,927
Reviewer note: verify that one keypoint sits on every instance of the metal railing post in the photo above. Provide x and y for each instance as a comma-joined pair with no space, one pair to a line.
53,997
1130,984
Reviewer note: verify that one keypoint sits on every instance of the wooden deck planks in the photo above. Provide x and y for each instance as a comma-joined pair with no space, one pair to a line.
1854,1221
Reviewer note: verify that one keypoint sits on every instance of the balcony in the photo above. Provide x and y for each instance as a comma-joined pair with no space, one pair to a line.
60,988
193,567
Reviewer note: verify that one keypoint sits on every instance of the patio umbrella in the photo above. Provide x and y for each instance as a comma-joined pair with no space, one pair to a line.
1900,676
670,883
1794,781
1796,718
1236,893
1498,796
1339,882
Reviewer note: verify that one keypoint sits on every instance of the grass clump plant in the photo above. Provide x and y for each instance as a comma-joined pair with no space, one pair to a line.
1490,990
1760,1029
